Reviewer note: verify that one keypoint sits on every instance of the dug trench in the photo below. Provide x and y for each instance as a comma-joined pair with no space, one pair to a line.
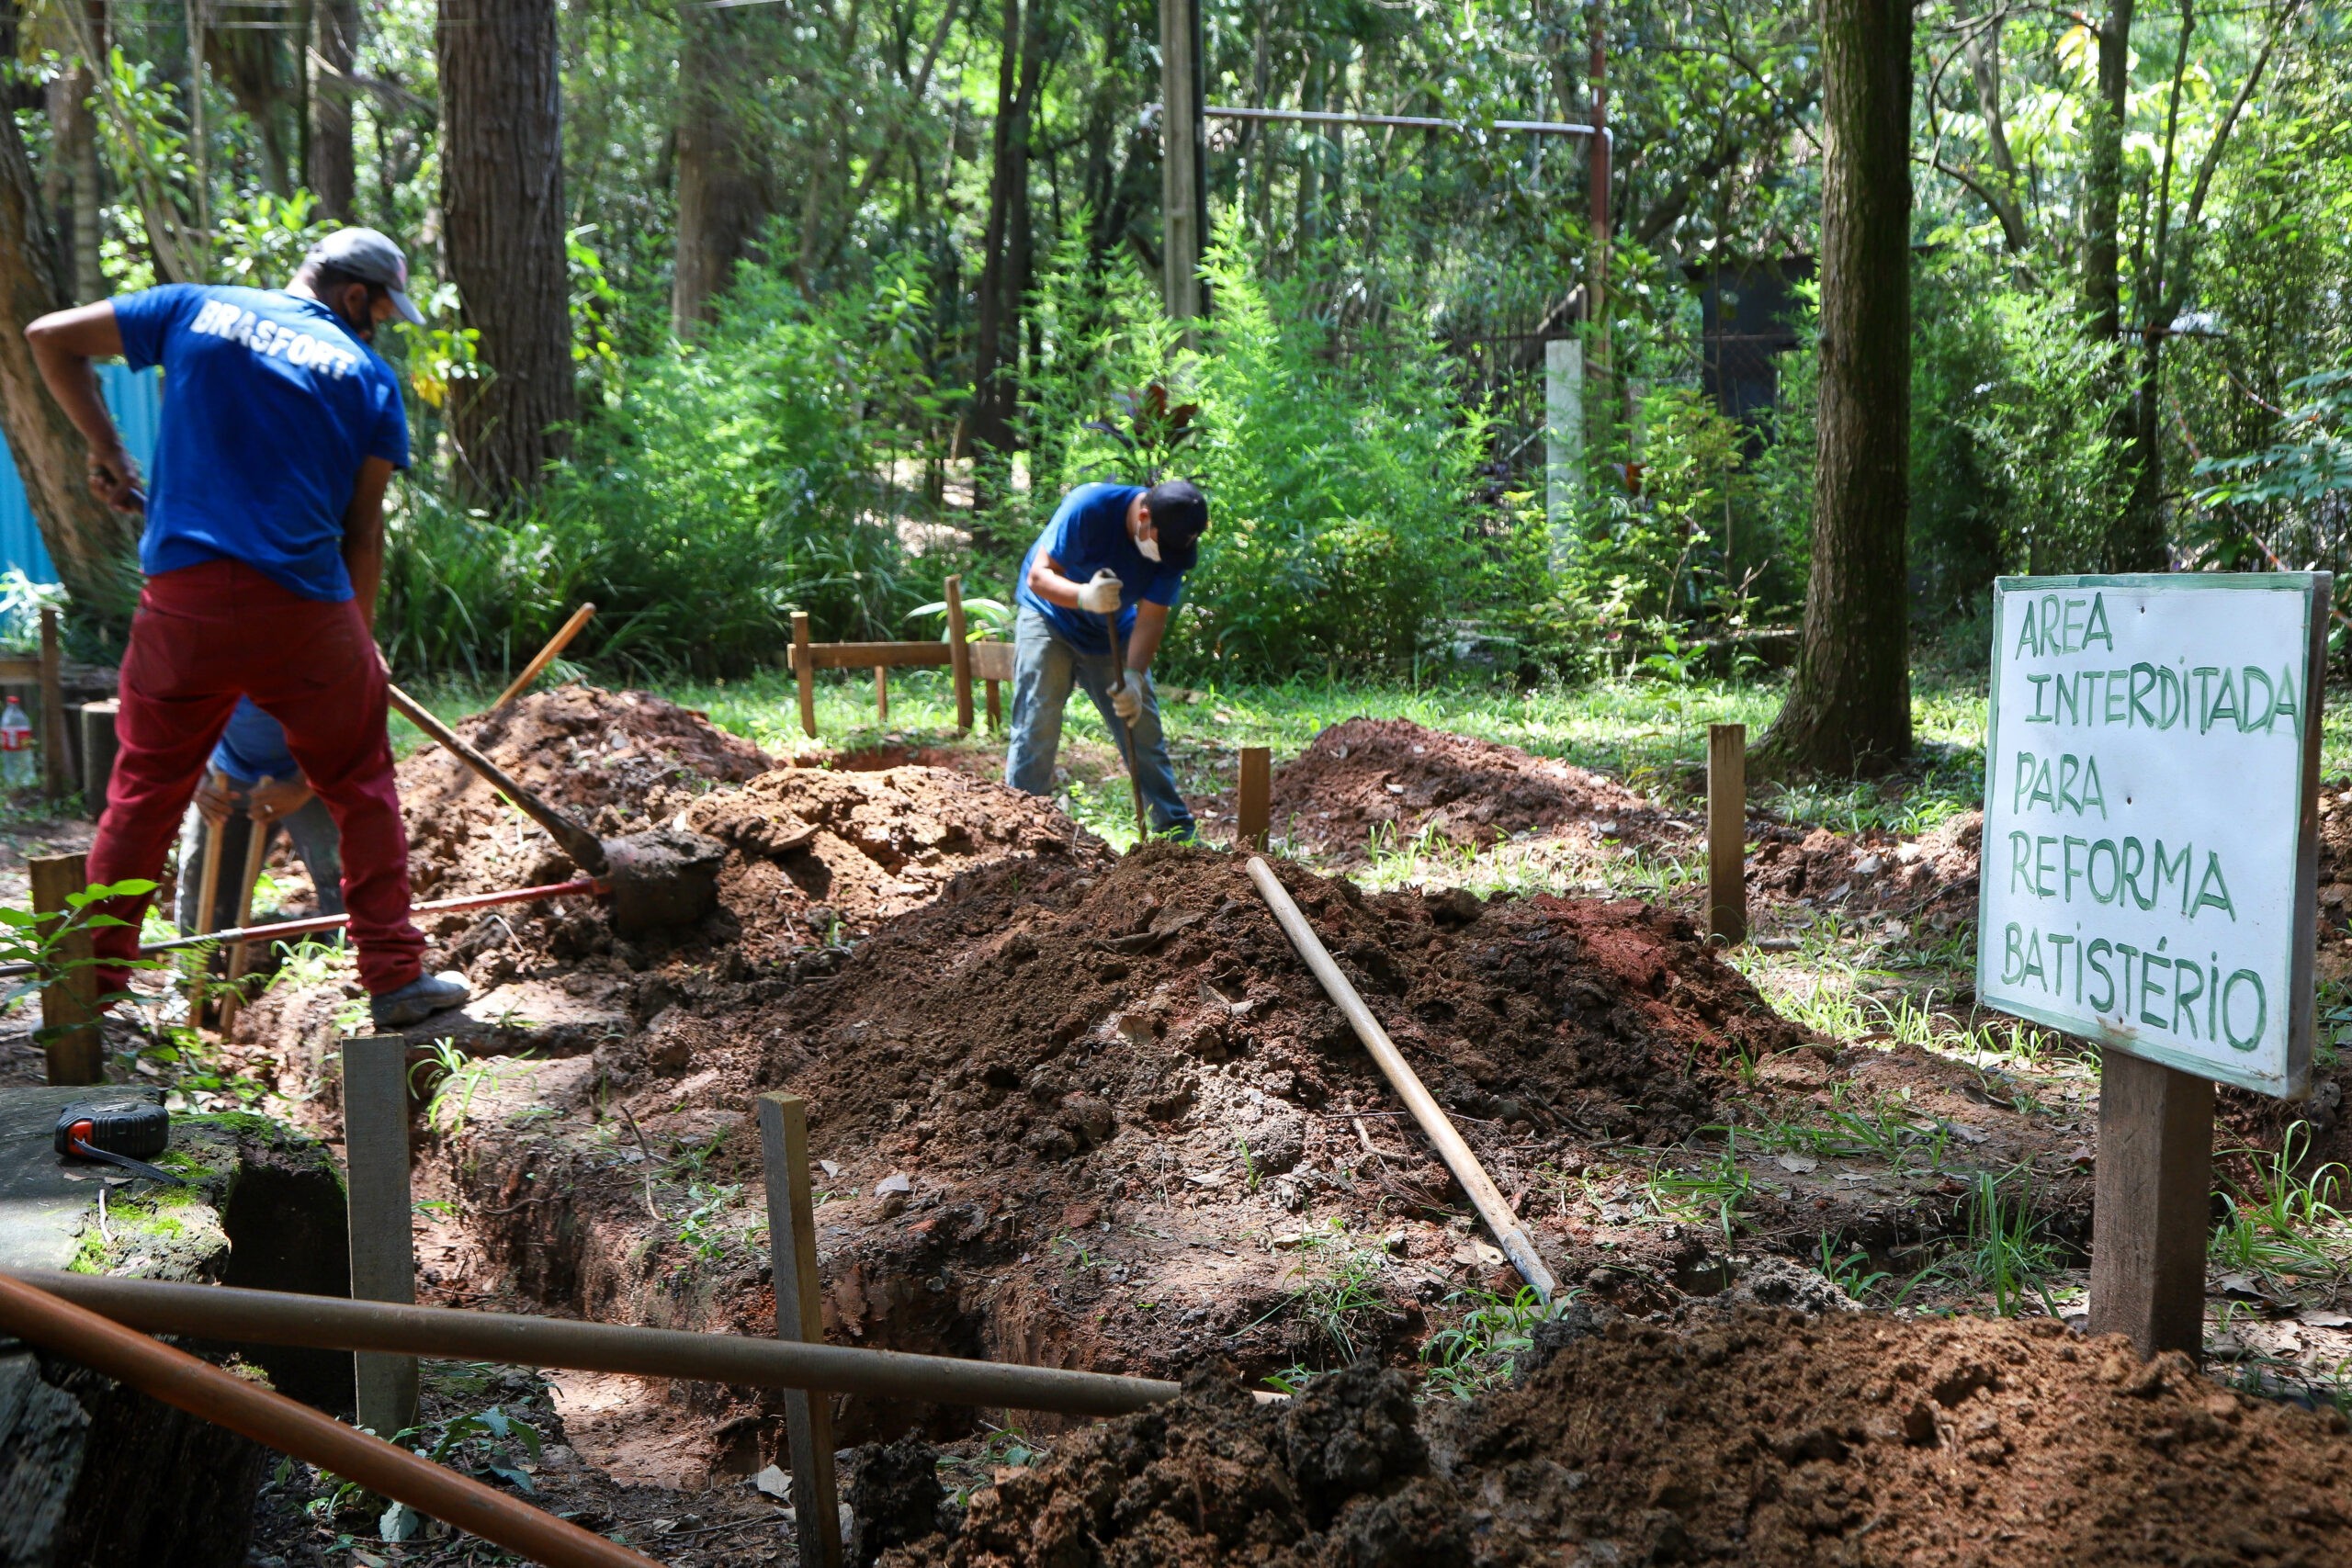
1090,1111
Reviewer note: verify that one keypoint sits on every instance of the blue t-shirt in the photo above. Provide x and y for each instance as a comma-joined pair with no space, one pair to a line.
254,746
270,404
1089,532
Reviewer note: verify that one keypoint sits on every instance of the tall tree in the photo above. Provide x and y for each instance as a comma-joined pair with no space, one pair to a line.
726,188
334,45
2103,179
1006,256
1848,709
503,225
88,542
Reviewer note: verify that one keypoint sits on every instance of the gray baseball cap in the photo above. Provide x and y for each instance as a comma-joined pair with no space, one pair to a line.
371,258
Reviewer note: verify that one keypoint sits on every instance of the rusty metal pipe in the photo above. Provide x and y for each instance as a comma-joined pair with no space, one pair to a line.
1517,1245
202,1390
331,1323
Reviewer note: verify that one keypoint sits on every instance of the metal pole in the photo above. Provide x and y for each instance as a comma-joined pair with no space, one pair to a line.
383,1247
1516,1244
180,1379
799,1320
331,1323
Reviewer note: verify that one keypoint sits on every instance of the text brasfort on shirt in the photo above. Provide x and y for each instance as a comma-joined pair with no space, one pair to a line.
222,319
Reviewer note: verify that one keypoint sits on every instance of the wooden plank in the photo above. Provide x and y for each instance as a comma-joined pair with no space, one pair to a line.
20,670
1255,809
1728,832
806,671
383,1249
992,661
56,765
800,1314
959,653
2150,1199
77,1054
869,655
881,694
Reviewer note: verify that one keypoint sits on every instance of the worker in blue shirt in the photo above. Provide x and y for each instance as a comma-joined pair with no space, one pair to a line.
254,786
1110,551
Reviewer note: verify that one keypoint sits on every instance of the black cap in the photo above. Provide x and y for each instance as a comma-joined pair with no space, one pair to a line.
1180,515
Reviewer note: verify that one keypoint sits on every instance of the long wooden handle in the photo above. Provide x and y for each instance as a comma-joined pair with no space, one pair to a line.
202,1390
587,850
1492,1207
556,643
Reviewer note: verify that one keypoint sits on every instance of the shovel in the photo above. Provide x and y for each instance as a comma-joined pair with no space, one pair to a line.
666,878
1127,750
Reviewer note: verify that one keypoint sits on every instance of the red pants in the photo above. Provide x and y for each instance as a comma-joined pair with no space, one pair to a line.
205,636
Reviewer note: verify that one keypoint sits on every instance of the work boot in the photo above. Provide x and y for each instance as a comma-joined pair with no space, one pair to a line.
419,999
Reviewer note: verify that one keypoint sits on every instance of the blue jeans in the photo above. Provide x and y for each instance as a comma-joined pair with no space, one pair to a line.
1044,670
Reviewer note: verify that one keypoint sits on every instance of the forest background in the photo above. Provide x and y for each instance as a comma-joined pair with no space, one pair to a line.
743,307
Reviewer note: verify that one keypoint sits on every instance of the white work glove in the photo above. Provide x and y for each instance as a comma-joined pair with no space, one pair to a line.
1100,595
1127,701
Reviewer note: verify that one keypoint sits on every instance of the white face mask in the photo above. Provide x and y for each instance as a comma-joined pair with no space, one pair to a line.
1150,549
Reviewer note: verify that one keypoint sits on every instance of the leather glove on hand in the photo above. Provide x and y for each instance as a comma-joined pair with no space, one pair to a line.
1100,595
1127,701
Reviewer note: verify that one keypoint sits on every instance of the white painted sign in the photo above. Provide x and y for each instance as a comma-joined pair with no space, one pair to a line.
2151,832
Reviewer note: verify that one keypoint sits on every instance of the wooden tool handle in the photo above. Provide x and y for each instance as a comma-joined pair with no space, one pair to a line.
587,850
556,643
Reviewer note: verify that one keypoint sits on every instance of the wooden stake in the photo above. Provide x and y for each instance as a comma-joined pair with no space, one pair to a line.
799,1316
1255,811
804,669
2151,1197
556,645
208,903
959,654
56,767
77,1054
98,748
881,694
257,846
996,705
383,1249
1728,832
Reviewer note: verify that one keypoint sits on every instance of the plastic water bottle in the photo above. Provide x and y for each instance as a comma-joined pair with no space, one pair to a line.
15,746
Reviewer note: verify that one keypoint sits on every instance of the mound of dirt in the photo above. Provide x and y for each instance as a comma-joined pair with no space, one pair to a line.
812,848
1041,1008
618,760
1757,1437
1370,775
1932,878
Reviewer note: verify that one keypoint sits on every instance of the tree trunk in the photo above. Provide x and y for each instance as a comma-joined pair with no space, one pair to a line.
1848,709
996,346
89,543
502,201
2103,181
335,44
725,191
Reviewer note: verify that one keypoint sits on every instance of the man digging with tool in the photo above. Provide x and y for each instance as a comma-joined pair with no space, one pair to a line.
1111,561
262,550
253,775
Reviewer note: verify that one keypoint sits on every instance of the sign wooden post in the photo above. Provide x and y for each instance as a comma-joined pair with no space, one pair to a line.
959,654
2149,879
1727,833
383,1247
800,1314
75,1053
1254,809
804,669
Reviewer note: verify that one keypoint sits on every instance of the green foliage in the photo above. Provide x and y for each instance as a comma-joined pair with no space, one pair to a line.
40,940
737,480
2288,1222
1478,1352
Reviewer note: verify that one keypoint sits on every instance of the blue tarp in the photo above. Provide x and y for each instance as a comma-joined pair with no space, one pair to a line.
137,404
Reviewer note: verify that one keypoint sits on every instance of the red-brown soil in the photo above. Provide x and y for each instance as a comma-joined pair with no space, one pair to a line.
1930,880
1755,1437
1398,779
